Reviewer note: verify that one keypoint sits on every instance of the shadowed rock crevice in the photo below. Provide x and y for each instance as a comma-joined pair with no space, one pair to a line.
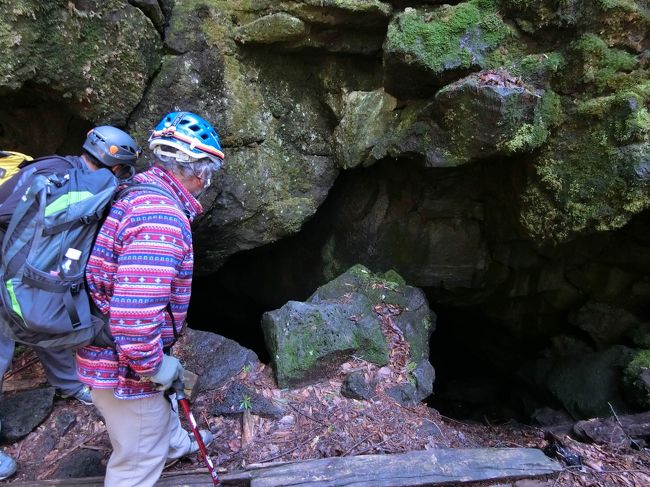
36,120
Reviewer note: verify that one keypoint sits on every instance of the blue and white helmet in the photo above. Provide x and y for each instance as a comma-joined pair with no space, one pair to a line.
187,138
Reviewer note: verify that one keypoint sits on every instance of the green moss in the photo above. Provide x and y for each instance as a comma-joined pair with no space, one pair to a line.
394,277
639,364
625,5
601,66
625,114
100,65
548,114
583,182
434,38
539,65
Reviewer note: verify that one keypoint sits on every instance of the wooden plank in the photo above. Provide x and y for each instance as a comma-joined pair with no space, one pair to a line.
416,468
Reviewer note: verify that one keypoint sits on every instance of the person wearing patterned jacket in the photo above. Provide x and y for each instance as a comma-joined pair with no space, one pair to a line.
139,276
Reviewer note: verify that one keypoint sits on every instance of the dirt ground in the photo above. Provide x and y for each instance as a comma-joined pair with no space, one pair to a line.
318,422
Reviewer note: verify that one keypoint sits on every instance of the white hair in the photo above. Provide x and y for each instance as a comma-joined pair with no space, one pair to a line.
180,163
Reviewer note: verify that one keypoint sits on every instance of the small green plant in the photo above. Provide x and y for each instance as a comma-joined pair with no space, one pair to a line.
247,368
246,404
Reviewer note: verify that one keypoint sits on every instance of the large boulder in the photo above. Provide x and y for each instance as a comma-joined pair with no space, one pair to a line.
215,359
494,113
432,47
587,384
308,340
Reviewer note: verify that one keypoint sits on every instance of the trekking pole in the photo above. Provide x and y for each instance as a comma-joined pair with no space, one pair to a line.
179,388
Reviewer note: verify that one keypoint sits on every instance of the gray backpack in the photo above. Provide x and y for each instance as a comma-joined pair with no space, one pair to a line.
43,301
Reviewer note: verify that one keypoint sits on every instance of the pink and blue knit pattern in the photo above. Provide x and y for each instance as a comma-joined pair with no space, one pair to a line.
142,260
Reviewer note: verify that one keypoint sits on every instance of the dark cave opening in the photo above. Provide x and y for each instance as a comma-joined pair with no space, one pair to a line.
470,383
35,122
217,307
477,369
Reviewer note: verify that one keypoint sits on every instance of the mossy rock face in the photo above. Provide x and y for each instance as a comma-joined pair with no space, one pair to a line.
489,113
593,66
366,121
623,22
274,130
308,341
432,47
583,182
273,28
99,56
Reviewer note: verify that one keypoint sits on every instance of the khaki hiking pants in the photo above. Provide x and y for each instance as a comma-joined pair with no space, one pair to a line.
144,433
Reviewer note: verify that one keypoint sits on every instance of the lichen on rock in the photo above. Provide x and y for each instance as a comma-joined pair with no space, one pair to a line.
99,57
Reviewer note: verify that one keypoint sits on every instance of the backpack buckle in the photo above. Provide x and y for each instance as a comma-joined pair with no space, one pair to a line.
76,287
88,219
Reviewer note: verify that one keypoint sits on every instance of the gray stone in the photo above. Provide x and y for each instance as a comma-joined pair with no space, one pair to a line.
424,375
605,324
214,358
23,411
84,463
309,341
238,398
357,140
355,386
487,113
405,394
427,48
279,27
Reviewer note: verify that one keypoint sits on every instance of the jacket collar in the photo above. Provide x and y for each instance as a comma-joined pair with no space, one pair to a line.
167,180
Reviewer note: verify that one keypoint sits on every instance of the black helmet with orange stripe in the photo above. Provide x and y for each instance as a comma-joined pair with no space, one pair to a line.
112,146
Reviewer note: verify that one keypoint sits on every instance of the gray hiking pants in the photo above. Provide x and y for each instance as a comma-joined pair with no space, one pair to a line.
59,366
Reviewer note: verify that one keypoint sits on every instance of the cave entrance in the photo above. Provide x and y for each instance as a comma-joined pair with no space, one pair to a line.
470,381
34,121
477,363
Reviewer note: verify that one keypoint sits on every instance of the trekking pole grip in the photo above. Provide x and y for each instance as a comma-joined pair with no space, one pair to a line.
179,388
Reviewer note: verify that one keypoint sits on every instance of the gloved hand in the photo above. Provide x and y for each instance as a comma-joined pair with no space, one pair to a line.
169,371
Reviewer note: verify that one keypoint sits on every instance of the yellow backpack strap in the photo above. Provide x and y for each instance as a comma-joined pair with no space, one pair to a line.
9,162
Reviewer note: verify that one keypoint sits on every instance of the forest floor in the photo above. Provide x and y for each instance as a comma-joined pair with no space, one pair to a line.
319,422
